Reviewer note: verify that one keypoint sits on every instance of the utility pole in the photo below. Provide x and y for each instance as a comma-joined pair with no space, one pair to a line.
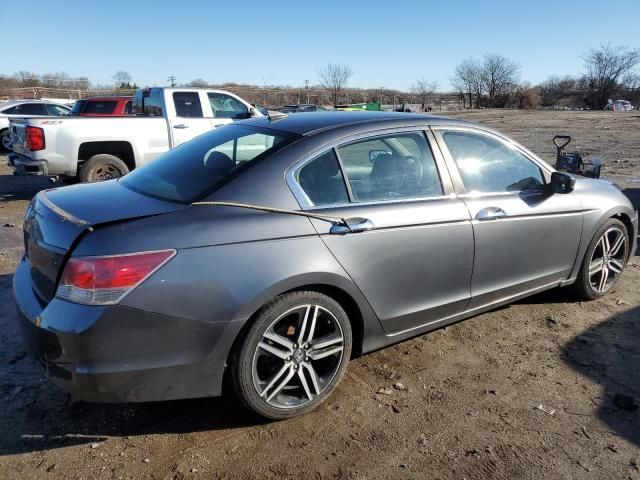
306,87
172,79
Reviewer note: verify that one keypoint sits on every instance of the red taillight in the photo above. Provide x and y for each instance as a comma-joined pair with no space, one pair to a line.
105,280
35,138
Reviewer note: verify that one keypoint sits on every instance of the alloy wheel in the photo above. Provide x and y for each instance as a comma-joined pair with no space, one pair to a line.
298,356
6,141
607,259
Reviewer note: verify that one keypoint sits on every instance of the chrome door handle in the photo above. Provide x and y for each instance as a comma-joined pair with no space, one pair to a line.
351,225
490,213
181,125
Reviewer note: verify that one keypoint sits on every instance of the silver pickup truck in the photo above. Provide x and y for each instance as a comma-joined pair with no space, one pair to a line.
95,149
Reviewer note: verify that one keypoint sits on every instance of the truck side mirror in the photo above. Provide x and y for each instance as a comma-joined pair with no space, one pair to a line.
253,112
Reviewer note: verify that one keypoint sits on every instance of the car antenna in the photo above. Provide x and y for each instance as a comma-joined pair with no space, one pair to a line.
326,218
274,115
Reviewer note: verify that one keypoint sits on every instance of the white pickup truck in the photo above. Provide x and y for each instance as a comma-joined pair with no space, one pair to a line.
95,149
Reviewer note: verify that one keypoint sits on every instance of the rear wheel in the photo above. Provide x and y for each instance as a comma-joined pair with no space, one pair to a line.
604,260
293,356
102,167
5,140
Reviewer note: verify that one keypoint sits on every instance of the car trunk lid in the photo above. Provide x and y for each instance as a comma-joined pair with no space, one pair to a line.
57,218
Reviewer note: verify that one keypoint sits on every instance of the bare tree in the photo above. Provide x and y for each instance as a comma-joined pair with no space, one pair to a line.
467,78
424,89
198,82
122,79
606,67
500,77
334,78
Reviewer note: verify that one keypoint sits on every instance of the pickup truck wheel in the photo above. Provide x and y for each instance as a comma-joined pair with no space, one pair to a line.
5,140
102,167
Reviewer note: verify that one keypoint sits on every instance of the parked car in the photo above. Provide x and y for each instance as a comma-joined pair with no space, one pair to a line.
619,106
102,107
270,251
23,108
96,149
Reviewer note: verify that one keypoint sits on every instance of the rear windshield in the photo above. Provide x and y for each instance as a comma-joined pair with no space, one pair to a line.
105,107
199,167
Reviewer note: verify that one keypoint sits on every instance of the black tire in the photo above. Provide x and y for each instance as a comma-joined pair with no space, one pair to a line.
308,386
102,167
585,285
5,137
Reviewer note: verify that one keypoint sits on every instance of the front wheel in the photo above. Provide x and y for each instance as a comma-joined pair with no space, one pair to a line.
102,167
604,260
293,356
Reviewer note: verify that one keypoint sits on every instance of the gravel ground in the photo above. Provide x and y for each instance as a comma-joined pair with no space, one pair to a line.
534,390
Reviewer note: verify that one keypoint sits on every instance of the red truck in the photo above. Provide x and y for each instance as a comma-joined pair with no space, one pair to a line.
102,107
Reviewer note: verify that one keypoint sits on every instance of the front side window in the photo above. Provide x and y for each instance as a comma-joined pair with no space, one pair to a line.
322,181
391,167
187,104
57,110
199,167
489,165
224,106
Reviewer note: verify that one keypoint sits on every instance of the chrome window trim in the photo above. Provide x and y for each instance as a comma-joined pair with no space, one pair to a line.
306,203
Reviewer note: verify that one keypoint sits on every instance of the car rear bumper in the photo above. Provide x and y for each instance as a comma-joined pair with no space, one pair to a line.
26,166
121,354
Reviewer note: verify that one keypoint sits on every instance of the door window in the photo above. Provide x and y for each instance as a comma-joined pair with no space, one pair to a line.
322,181
127,108
31,109
187,104
57,110
224,106
488,165
391,167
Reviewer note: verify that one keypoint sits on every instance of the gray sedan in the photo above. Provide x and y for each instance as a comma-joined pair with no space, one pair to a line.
261,256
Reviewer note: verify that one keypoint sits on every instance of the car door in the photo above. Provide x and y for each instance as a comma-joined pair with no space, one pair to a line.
525,238
410,246
187,120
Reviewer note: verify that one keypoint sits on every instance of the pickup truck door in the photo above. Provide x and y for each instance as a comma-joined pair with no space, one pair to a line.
185,115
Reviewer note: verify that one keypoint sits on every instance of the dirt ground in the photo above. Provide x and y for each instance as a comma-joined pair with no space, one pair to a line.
527,391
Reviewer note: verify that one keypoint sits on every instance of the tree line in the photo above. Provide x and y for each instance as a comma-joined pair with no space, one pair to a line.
492,81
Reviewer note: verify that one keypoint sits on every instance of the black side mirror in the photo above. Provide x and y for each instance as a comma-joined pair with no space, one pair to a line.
561,183
252,112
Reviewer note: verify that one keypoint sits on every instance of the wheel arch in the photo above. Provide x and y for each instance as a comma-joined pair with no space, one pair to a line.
121,149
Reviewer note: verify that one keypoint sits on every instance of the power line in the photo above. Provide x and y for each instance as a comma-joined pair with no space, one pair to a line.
172,80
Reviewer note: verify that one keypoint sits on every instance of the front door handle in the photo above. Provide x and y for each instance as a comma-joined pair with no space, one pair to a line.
490,213
351,225
181,125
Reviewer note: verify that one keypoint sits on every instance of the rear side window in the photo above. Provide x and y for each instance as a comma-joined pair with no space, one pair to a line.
199,167
391,167
148,102
224,106
127,108
57,110
9,111
77,107
31,109
101,107
187,104
322,181
488,165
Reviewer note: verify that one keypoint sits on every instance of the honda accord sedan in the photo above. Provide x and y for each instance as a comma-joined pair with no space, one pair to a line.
260,257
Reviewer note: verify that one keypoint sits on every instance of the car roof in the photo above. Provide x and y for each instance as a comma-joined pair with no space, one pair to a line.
10,103
107,97
314,122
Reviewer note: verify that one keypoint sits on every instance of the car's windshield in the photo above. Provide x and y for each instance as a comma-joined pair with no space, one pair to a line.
199,167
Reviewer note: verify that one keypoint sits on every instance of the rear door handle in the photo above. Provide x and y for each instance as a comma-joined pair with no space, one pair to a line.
352,225
490,213
181,125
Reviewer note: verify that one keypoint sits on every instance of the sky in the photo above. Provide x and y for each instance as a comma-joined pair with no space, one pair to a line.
387,44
